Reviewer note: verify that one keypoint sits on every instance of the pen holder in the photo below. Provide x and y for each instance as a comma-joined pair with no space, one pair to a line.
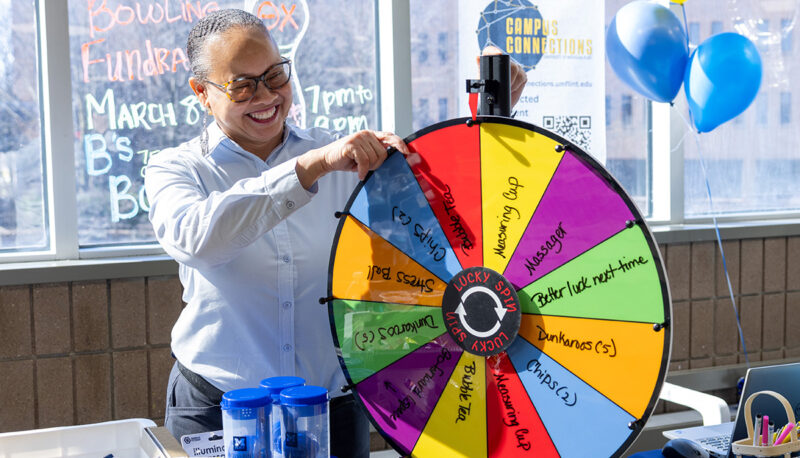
745,446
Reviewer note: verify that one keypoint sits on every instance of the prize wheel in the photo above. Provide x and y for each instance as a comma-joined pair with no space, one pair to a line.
496,293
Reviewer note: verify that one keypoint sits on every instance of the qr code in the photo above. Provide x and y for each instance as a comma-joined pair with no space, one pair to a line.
577,129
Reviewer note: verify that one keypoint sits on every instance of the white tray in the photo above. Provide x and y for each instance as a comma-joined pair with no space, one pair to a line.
121,438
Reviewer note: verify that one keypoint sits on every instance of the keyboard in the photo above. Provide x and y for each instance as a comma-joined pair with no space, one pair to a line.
719,444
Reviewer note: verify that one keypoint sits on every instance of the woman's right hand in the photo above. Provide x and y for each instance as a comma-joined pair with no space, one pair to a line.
359,152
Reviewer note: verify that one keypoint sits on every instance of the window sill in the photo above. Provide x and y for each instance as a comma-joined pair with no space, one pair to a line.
25,273
729,230
99,268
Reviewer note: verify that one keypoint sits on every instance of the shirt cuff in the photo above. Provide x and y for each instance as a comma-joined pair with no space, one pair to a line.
285,189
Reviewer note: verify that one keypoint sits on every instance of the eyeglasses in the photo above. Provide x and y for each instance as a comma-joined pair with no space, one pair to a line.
244,89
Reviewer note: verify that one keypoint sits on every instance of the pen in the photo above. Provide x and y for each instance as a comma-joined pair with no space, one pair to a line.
764,429
770,430
777,435
756,431
784,434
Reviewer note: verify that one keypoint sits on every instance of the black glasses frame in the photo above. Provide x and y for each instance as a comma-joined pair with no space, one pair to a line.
262,78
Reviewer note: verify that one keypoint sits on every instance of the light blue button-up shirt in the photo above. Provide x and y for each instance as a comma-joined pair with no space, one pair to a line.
253,247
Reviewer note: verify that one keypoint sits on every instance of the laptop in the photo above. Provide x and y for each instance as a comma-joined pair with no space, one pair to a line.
716,439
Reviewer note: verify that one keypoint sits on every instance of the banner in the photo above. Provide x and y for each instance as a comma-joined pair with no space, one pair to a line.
561,47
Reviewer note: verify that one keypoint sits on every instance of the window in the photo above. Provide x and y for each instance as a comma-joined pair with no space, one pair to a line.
22,209
787,28
627,145
443,47
131,99
724,178
626,107
749,162
762,114
437,78
763,26
694,33
442,109
422,48
423,112
110,41
786,107
635,170
777,182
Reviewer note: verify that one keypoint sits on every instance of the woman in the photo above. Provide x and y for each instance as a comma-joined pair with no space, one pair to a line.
247,211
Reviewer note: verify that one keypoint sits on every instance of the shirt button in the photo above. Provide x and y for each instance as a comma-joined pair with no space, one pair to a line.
290,204
286,259
287,348
287,305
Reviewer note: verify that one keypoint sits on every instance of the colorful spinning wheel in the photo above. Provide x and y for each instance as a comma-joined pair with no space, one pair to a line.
496,293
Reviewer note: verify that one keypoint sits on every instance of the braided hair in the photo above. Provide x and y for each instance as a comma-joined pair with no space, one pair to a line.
211,25
214,24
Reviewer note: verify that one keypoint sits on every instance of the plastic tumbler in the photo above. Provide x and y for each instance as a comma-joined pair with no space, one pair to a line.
244,413
304,422
273,426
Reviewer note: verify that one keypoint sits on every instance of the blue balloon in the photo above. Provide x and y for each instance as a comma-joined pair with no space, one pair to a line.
647,48
722,79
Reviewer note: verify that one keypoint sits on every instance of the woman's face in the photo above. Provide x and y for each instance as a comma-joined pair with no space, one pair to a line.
256,125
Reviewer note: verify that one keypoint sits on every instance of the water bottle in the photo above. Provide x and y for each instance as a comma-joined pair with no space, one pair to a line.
304,422
244,414
275,385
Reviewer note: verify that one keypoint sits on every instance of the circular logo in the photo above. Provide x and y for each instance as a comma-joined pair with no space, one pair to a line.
481,311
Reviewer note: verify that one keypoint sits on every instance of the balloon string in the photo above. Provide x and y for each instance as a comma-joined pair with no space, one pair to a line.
719,239
685,24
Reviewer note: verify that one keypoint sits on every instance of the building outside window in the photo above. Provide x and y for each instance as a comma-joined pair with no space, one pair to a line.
423,111
762,111
626,108
23,225
443,47
716,27
787,35
435,79
763,26
786,107
422,48
694,33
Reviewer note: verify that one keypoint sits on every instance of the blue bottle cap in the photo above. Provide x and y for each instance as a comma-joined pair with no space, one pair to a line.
277,384
244,398
308,395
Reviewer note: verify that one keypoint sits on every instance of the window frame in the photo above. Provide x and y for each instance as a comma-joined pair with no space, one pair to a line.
65,261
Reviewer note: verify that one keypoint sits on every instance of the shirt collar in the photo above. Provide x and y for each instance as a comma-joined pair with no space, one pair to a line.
217,137
298,132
